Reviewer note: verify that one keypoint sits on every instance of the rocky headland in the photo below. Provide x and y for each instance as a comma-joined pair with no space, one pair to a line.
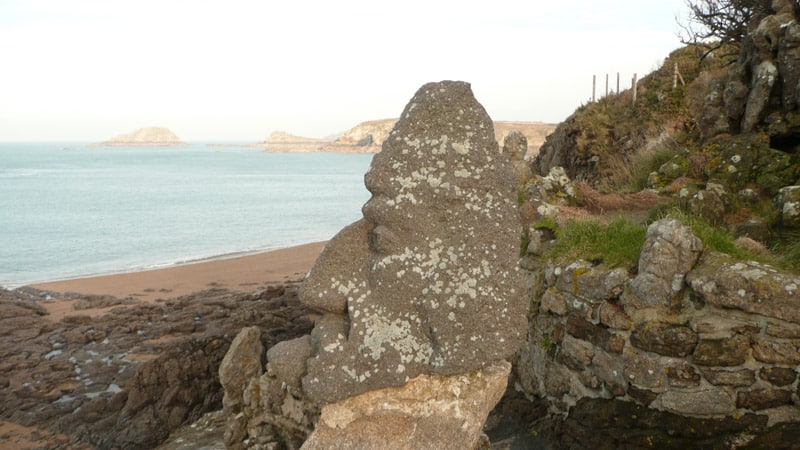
368,137
145,137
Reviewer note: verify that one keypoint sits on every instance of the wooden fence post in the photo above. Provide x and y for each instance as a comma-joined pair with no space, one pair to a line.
617,82
594,85
675,77
606,85
634,85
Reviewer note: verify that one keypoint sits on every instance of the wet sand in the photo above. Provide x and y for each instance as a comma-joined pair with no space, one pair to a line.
243,273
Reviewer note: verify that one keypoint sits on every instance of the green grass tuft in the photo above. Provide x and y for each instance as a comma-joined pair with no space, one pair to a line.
616,244
789,258
714,238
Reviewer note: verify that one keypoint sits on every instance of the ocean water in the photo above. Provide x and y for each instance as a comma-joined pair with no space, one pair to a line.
69,210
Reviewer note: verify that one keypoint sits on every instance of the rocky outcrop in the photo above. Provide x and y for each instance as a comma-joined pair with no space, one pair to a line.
697,347
126,379
761,90
402,295
374,131
146,137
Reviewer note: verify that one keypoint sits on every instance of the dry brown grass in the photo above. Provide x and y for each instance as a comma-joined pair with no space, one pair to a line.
751,245
598,203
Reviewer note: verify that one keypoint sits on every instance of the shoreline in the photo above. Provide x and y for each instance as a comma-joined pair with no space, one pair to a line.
155,266
242,271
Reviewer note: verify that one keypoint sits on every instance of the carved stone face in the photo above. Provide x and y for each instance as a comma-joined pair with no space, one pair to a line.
427,282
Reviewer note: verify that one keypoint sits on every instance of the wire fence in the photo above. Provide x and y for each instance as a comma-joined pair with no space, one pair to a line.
676,76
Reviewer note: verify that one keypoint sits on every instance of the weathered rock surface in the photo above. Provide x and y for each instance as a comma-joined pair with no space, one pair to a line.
422,298
430,411
669,252
555,188
763,81
426,283
126,379
515,145
241,364
150,136
747,286
788,203
748,159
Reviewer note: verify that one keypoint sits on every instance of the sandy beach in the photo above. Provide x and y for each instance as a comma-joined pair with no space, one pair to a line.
245,273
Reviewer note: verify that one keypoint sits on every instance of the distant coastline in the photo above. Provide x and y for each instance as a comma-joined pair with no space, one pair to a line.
367,137
144,137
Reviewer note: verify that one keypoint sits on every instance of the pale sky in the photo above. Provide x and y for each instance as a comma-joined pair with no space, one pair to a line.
221,70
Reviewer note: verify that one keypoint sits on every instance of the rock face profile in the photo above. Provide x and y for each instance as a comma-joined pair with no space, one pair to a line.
145,137
423,289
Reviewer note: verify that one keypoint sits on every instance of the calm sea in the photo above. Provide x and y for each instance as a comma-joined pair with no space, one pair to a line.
69,210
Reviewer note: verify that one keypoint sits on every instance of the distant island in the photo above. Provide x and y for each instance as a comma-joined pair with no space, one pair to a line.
367,137
145,137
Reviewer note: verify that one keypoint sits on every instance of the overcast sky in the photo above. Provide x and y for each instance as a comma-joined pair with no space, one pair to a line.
218,70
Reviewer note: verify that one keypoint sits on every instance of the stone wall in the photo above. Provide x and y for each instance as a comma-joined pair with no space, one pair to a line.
694,334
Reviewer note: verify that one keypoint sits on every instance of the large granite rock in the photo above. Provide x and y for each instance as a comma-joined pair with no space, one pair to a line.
430,411
425,287
427,282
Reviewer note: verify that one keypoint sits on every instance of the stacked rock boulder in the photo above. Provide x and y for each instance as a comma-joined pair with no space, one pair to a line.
515,145
422,300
